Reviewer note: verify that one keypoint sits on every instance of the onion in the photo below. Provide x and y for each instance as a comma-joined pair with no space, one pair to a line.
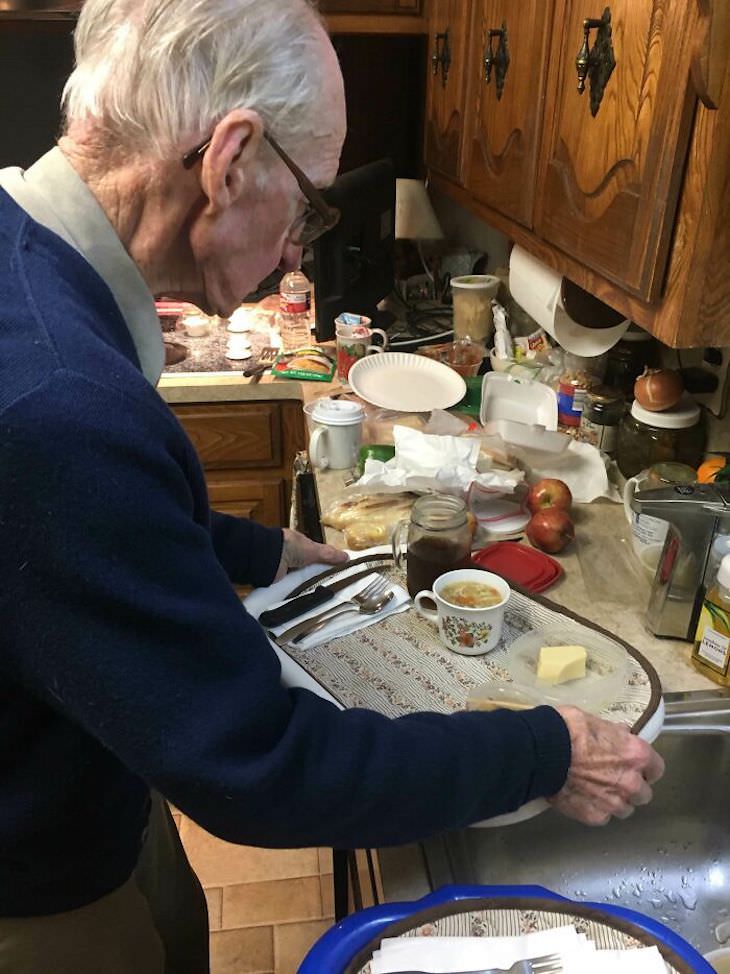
658,389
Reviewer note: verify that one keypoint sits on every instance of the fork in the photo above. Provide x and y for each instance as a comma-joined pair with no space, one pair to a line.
373,590
549,964
266,359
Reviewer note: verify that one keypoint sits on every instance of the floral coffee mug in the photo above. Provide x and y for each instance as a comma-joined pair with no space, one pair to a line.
467,629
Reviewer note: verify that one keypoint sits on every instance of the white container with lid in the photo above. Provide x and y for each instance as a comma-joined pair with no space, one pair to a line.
336,432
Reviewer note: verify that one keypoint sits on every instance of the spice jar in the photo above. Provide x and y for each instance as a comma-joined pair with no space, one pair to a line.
439,540
602,412
579,375
646,438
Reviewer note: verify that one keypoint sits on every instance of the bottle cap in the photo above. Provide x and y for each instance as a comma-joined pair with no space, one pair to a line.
723,574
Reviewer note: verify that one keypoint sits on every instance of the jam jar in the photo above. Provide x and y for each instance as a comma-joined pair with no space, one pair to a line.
646,437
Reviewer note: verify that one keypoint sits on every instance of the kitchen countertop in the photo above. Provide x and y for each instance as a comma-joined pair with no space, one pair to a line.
597,565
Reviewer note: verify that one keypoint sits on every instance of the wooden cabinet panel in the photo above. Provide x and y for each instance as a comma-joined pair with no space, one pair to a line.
502,151
609,183
230,435
448,22
263,501
370,6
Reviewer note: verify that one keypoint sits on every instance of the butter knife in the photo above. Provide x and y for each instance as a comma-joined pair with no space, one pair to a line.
336,569
303,603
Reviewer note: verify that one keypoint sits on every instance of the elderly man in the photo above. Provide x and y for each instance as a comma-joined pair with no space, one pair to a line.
128,663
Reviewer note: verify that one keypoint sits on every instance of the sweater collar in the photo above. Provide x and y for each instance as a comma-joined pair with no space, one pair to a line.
54,195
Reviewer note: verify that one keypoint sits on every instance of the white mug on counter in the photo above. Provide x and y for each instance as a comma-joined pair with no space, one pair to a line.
468,623
336,433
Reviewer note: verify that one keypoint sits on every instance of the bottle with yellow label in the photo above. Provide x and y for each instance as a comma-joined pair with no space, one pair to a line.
711,652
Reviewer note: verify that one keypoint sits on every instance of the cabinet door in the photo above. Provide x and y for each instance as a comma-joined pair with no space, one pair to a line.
609,181
263,501
448,23
234,435
370,6
502,150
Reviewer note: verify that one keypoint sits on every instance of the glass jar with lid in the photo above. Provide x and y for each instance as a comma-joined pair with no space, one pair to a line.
646,437
629,357
602,413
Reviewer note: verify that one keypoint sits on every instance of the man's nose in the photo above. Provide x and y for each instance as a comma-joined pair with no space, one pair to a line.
291,257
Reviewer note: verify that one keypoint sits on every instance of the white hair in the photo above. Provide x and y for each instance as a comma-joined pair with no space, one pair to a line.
158,74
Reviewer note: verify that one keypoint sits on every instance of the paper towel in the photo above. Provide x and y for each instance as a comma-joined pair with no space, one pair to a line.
536,288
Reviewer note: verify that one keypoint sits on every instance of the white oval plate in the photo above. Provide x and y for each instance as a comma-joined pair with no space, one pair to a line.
407,383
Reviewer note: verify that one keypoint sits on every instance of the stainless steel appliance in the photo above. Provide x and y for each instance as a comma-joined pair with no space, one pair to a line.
697,514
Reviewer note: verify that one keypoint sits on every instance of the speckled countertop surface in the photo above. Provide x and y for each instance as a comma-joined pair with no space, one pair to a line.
601,582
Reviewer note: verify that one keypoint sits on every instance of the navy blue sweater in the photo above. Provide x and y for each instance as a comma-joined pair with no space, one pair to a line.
126,659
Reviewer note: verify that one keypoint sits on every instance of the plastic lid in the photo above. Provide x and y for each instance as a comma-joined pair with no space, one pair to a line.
723,574
682,416
519,564
337,412
476,281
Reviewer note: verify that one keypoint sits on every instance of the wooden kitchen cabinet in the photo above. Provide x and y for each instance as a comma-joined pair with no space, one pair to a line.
447,66
370,6
609,183
247,450
630,198
504,102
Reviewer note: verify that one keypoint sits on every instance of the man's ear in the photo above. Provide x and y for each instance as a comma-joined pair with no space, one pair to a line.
230,157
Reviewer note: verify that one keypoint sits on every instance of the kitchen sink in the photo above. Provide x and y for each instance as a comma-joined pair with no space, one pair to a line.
670,860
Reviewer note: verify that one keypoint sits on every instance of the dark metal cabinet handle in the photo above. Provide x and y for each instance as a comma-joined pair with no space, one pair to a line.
596,63
499,59
442,55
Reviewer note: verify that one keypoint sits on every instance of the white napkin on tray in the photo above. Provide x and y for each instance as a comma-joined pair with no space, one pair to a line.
444,955
267,598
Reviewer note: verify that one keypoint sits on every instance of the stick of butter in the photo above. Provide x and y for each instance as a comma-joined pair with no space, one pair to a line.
558,664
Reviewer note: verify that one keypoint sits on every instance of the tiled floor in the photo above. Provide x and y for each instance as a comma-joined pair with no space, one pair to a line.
266,907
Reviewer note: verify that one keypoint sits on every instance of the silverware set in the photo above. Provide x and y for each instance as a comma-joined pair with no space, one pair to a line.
371,599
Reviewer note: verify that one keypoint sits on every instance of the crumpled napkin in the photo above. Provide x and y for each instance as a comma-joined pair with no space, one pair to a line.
425,462
268,598
443,955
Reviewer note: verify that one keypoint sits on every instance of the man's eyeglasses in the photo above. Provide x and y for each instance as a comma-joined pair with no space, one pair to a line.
319,216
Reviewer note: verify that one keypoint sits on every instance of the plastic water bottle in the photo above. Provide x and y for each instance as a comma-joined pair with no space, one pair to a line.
295,307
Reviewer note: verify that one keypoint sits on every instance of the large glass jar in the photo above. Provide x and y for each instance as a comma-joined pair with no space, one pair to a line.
629,357
646,438
439,540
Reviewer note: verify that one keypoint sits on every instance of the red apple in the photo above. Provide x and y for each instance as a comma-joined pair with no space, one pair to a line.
550,530
549,493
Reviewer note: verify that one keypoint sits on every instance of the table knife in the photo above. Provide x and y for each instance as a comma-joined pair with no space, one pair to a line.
303,603
336,569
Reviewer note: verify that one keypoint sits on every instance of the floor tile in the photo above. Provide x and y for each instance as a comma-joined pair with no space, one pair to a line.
292,941
248,951
219,863
280,901
214,896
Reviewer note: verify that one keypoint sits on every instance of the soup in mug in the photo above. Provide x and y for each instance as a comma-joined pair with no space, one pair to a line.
470,595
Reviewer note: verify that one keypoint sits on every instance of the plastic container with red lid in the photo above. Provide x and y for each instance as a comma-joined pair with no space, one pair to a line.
519,564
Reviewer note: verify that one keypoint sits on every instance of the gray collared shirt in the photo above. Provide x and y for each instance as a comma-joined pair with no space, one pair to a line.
53,194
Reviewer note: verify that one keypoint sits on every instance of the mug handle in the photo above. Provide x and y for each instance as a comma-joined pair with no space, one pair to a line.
315,454
629,488
379,331
421,609
396,542
374,350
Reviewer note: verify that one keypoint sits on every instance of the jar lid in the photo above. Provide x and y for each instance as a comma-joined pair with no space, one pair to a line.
682,416
671,472
604,395
337,412
635,333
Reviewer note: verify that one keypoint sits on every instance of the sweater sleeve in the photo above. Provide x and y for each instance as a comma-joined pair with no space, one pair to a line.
249,553
127,625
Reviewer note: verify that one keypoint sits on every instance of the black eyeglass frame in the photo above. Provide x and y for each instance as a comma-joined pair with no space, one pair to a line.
328,216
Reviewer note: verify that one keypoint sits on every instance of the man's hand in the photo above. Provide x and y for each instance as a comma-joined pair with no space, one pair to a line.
611,770
299,551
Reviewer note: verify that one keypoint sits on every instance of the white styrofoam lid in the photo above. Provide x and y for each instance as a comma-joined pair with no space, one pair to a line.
337,412
505,396
682,416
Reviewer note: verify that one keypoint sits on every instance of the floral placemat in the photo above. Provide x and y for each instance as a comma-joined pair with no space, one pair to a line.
513,920
399,666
